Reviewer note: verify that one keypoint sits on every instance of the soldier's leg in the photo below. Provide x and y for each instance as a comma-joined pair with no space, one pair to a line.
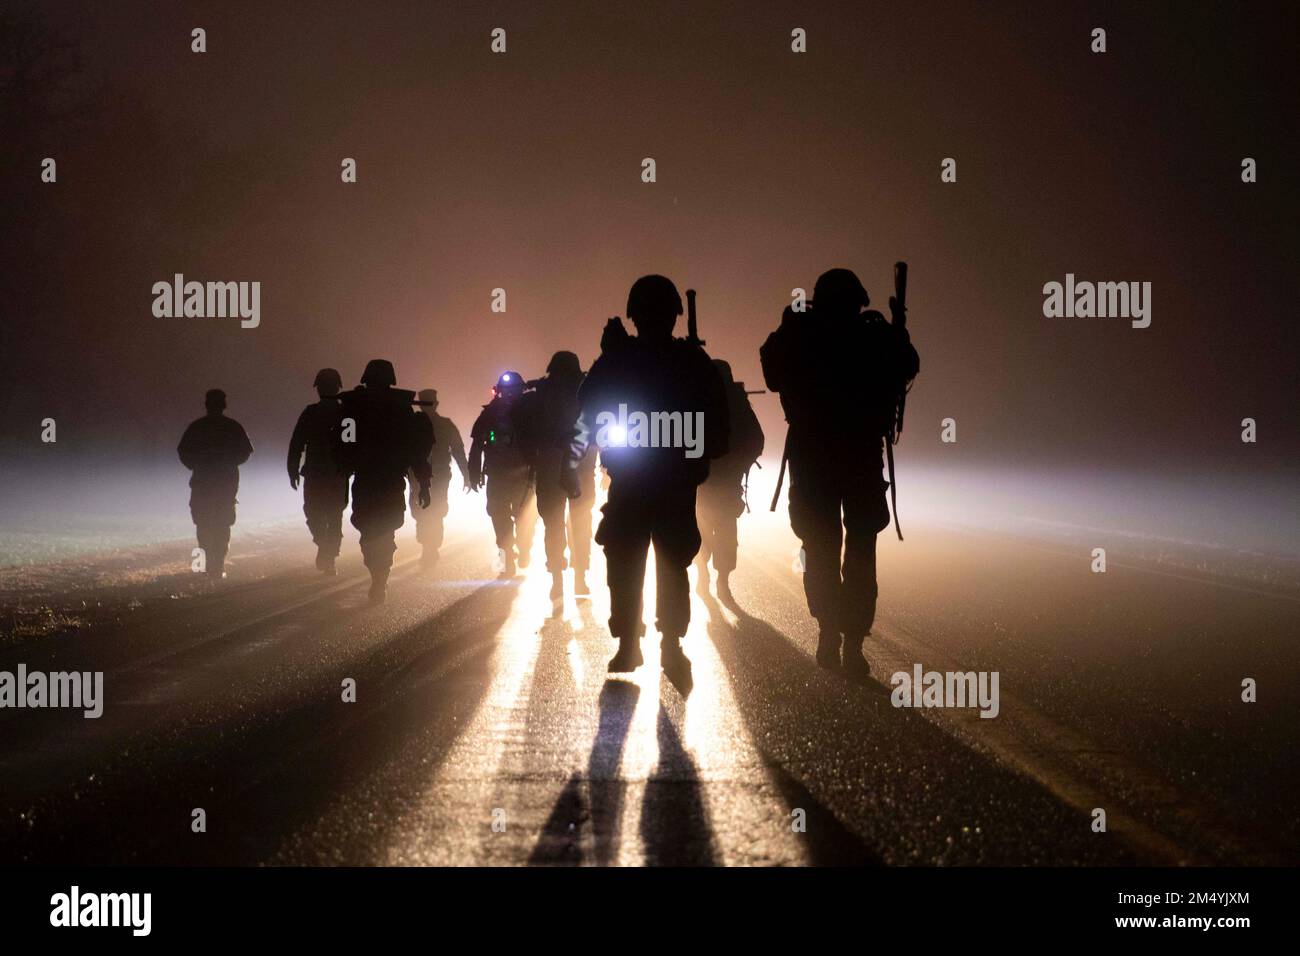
704,523
624,533
725,540
311,510
815,505
580,509
429,521
815,518
221,543
500,510
525,511
378,509
337,504
207,535
677,541
551,507
319,498
866,514
439,505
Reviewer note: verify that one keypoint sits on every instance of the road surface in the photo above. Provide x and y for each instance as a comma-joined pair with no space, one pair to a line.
486,731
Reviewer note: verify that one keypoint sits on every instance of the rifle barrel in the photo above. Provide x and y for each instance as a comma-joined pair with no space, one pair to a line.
692,328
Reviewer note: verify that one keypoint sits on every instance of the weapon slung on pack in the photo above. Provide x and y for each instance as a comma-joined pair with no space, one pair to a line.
692,326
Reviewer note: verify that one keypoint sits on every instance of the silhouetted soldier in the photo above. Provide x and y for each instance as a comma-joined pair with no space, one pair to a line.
380,439
721,499
213,447
839,371
548,415
498,457
447,446
324,483
652,489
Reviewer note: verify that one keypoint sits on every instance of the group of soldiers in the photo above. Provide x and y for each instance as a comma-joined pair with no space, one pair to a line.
839,368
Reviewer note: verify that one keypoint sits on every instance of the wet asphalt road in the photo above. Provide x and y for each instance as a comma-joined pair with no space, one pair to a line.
486,731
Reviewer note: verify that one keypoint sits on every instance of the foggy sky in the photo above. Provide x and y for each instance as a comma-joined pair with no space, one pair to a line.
522,171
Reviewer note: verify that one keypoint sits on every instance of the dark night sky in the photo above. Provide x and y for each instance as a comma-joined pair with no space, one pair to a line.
522,171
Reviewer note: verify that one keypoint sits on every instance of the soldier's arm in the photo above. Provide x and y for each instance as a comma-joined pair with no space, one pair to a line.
297,443
185,450
243,447
457,446
576,453
476,440
770,357
590,395
421,447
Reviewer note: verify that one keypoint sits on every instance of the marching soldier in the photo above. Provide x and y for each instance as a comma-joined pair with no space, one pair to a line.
840,372
213,447
311,458
498,458
380,439
548,414
721,498
652,489
447,447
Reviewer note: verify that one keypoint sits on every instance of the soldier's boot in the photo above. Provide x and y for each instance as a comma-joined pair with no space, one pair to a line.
327,566
855,665
580,584
724,587
629,656
672,659
428,557
702,578
507,557
320,558
557,585
828,649
378,586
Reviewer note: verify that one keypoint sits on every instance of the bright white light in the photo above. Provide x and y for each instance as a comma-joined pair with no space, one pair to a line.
617,435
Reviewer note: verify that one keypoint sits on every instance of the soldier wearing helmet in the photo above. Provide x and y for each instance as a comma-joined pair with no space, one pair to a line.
448,446
721,499
652,488
499,460
311,460
380,439
838,370
547,415
213,447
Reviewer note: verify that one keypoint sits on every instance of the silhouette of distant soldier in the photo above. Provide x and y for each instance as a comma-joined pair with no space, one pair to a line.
839,371
447,447
324,483
651,489
213,447
499,458
548,414
721,499
380,439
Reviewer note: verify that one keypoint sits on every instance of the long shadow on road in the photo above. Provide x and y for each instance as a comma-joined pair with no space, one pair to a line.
882,784
265,775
